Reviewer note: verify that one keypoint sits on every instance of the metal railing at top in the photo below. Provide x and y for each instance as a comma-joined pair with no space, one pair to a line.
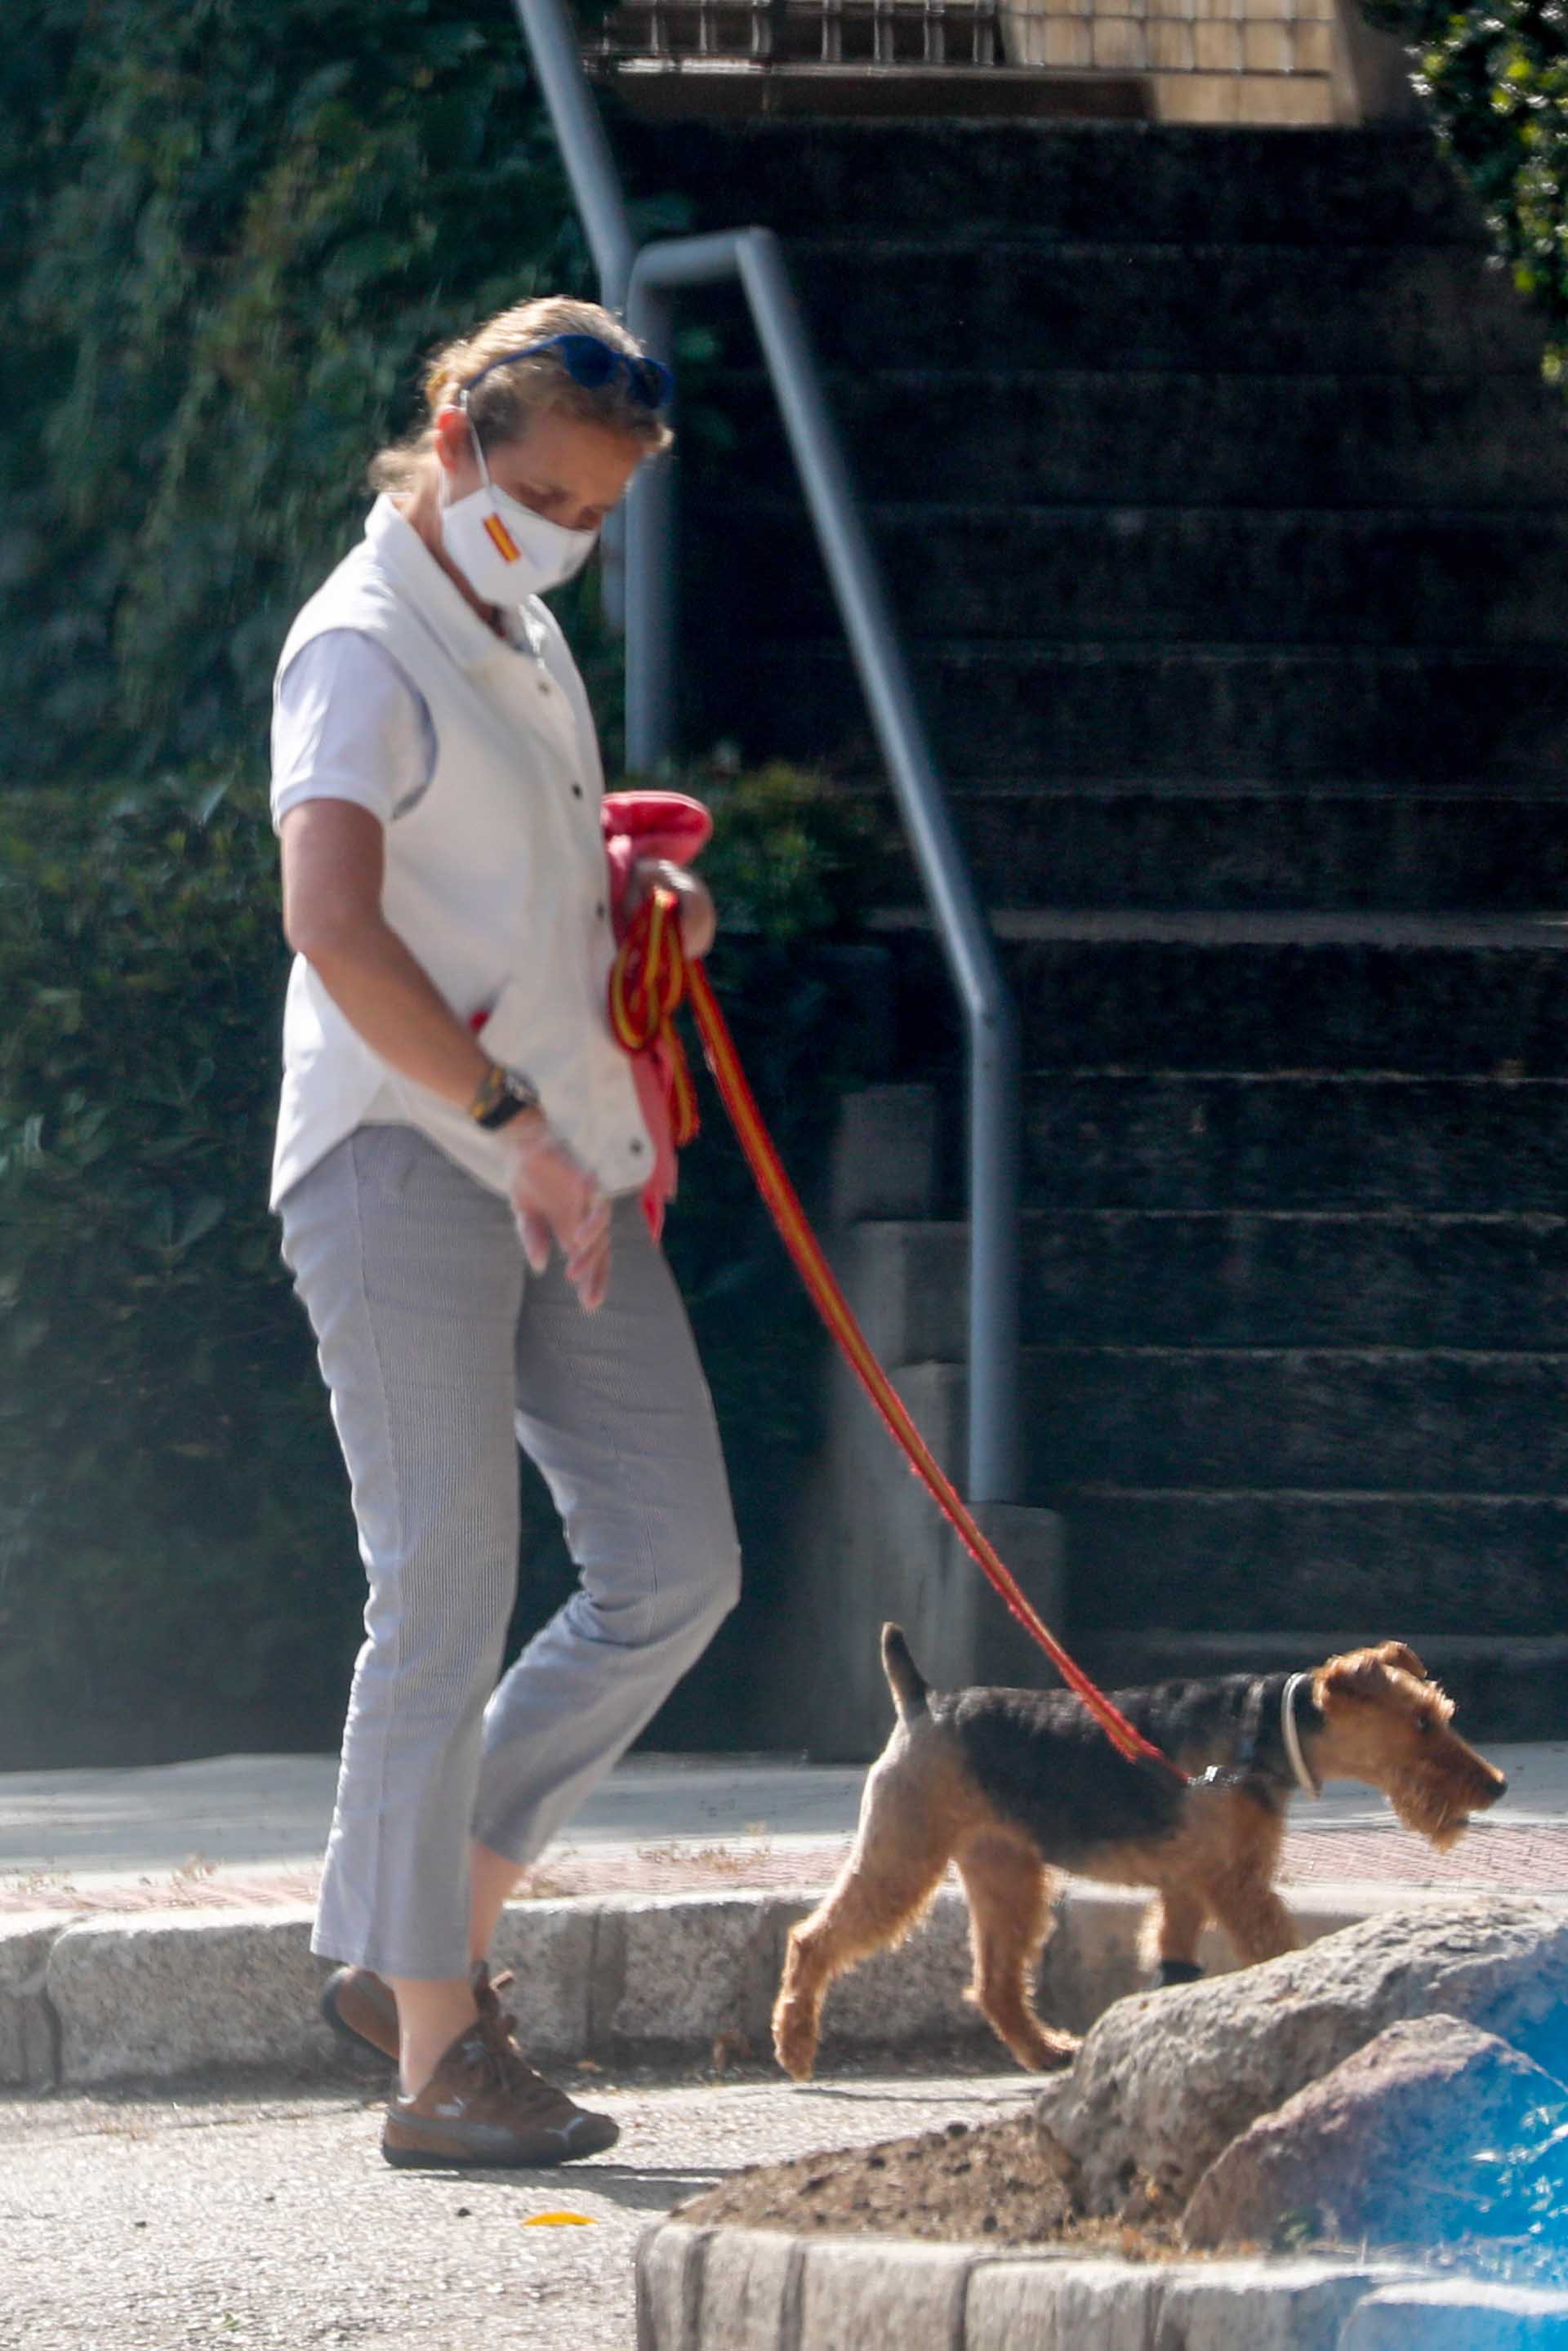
804,32
643,285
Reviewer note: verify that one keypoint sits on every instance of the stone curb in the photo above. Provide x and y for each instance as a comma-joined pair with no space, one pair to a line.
159,1994
754,2290
757,2290
156,1995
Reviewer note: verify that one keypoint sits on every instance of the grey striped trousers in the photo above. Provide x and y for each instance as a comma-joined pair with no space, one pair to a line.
442,1353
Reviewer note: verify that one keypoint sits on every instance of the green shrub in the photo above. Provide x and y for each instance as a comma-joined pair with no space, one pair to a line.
175,1547
177,1563
791,857
792,865
1495,76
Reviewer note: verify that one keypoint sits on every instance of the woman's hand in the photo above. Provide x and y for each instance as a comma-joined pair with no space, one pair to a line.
699,922
556,1200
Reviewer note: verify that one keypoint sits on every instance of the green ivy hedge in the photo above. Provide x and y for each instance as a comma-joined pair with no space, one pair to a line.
1495,76
170,1510
231,231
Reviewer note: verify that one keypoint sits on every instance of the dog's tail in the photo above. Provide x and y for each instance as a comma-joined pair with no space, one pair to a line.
909,1685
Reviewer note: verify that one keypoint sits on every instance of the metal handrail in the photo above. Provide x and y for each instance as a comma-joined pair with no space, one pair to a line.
643,283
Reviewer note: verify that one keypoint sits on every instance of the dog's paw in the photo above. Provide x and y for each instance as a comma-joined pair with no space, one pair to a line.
795,2040
1057,2050
1178,1972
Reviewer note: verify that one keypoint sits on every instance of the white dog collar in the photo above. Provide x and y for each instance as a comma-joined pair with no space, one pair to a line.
1293,1737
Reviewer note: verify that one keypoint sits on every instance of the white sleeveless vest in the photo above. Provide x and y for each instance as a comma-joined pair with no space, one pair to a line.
496,880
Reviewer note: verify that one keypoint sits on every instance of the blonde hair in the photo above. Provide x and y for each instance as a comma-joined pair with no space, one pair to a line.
503,407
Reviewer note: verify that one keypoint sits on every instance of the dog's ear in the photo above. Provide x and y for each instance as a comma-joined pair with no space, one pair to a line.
1402,1659
1365,1673
1359,1673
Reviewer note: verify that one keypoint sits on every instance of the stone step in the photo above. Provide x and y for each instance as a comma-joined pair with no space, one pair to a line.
1088,844
1139,575
1196,1139
1264,309
1504,1688
1229,1279
1153,711
1427,997
1383,1419
1083,181
1002,433
1206,1560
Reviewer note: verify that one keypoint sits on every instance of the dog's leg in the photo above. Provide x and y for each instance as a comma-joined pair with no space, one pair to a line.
899,1857
1252,1914
1233,1859
1009,1918
1240,1890
1169,1940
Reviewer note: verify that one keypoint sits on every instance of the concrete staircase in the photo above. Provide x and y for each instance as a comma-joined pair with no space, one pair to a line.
1228,519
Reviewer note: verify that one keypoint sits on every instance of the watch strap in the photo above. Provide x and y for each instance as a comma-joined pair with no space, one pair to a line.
502,1094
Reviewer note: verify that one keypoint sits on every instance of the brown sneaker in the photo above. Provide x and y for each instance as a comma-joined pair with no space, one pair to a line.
361,2010
486,2107
360,2007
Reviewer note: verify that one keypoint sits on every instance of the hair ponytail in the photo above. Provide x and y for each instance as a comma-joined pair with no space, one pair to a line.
504,406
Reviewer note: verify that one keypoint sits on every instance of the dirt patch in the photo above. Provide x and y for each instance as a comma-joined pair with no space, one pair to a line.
995,2183
992,2182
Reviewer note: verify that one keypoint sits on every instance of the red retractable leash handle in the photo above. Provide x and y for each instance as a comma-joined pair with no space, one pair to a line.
651,979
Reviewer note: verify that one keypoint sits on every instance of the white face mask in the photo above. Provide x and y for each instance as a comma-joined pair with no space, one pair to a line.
504,550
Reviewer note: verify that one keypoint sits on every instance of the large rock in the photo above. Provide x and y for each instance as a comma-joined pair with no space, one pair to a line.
1383,2146
1167,2079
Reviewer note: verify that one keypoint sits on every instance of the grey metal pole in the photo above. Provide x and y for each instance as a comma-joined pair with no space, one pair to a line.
552,44
961,926
990,1018
653,559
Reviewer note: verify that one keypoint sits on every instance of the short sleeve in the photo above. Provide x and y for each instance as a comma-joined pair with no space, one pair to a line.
348,725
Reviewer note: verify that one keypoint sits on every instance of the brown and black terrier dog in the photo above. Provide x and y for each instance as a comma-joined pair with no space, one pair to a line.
1014,1785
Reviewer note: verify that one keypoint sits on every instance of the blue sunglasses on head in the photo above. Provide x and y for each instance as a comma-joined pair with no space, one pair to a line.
593,364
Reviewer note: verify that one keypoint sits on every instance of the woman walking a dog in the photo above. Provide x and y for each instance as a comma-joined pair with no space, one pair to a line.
470,1176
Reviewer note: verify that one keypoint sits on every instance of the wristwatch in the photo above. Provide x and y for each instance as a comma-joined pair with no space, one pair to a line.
502,1094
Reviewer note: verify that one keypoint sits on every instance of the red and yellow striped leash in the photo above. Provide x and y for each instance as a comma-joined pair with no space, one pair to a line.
648,984
650,980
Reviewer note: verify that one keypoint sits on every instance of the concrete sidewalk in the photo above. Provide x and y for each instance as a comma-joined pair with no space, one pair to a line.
236,1811
154,1924
261,2218
106,1839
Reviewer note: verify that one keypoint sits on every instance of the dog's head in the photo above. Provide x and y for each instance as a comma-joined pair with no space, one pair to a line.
1384,1722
